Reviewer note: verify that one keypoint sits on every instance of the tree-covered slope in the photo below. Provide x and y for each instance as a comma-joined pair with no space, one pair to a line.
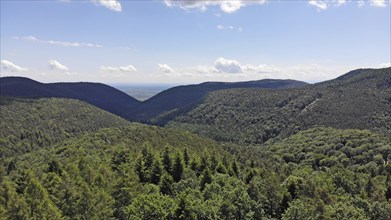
177,100
97,94
144,172
360,100
28,124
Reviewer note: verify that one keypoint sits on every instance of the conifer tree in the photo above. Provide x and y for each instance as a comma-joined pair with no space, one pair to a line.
167,164
177,169
166,184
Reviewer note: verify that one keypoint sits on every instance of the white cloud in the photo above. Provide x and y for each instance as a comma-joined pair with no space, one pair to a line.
319,4
225,6
8,65
232,66
222,68
110,4
220,27
60,43
325,4
55,65
228,66
385,65
165,68
129,68
378,3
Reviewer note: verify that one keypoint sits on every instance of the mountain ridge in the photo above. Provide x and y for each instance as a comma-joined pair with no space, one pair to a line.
253,116
162,107
101,95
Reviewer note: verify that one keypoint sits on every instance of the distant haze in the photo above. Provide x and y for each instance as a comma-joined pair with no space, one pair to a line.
142,92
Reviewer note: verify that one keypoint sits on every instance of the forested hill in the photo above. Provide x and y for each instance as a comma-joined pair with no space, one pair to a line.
29,124
100,95
145,172
170,103
360,99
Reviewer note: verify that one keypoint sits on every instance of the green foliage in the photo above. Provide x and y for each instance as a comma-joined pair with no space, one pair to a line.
29,124
254,116
146,172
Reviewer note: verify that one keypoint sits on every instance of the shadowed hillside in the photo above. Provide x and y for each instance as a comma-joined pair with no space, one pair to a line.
97,94
170,103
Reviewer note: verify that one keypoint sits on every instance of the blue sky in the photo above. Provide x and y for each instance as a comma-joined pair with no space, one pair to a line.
192,41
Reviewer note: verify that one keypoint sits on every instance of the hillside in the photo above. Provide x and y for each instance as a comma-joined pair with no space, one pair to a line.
57,164
360,100
97,94
29,124
177,100
144,172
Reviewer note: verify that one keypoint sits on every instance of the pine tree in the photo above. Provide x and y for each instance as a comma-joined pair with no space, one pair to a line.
186,157
156,172
166,184
140,170
182,212
167,164
148,159
177,169
206,178
235,168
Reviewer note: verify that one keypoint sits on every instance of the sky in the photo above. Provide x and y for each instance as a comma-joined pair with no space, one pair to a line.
192,41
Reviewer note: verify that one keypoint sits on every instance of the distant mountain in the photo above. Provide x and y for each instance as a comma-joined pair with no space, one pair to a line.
97,94
360,99
29,124
172,102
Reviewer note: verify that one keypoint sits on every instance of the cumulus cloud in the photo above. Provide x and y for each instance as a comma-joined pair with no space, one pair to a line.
165,68
129,68
8,65
55,65
225,6
232,66
228,66
60,43
110,4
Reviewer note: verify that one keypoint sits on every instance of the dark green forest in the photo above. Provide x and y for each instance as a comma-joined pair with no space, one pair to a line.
318,152
360,99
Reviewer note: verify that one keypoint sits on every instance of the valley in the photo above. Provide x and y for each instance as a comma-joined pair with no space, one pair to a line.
252,152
